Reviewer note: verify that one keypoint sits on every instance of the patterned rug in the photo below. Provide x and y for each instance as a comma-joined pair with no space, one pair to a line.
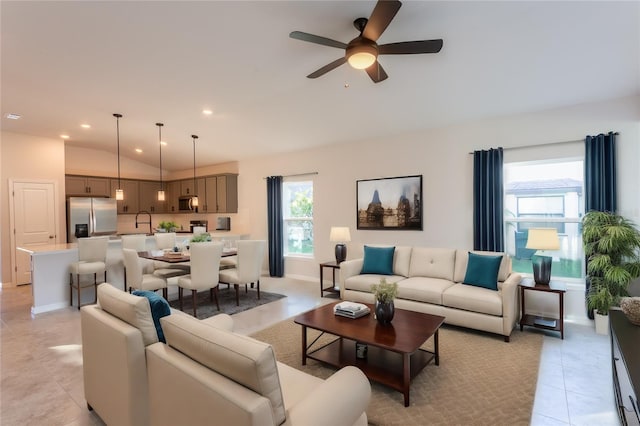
205,308
481,380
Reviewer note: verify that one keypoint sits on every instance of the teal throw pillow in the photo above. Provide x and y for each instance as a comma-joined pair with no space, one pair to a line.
482,271
378,260
159,308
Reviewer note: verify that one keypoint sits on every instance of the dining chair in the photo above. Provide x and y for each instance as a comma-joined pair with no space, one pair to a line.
136,279
137,242
167,240
92,258
248,268
205,267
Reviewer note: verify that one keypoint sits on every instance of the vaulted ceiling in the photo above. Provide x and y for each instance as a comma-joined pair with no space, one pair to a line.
70,63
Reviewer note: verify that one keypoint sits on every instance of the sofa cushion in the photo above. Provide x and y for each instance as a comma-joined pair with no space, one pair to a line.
474,299
432,263
159,308
378,260
423,289
462,256
482,271
133,310
364,282
240,358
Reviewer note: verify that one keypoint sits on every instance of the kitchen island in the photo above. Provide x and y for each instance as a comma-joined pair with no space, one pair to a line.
50,270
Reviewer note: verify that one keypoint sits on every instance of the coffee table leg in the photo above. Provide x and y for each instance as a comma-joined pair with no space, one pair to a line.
406,377
321,282
304,345
435,348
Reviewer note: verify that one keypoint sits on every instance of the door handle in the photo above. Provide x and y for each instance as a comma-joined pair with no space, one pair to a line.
51,237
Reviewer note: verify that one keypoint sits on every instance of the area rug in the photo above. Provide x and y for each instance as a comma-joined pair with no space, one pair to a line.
227,298
481,380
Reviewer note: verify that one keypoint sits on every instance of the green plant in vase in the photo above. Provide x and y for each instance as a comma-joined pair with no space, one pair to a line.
612,247
384,294
201,238
167,226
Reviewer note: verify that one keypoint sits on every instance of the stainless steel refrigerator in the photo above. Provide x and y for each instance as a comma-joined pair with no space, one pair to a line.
87,217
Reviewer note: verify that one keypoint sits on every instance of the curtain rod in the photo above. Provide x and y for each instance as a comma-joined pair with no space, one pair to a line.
548,143
298,174
539,144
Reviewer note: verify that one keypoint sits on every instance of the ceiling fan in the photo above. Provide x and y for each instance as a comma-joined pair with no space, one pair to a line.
362,52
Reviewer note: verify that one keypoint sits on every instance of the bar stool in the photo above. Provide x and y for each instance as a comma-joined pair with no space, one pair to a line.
92,258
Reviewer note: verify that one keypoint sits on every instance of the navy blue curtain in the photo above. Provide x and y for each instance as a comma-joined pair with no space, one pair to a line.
600,173
275,226
488,200
599,180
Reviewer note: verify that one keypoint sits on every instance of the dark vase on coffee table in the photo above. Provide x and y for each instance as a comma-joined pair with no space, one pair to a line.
384,312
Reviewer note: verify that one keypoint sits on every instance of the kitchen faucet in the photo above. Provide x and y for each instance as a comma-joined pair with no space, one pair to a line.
140,223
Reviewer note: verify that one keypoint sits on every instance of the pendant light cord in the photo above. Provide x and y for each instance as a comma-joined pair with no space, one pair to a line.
160,142
195,189
117,116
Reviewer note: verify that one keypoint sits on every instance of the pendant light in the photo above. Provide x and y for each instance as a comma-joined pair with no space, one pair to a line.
194,199
119,191
161,190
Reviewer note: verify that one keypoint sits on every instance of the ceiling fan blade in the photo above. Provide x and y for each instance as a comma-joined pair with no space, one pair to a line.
410,47
333,65
377,73
299,35
380,18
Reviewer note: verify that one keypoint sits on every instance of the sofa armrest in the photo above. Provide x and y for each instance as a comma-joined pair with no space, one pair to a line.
349,268
222,321
347,392
510,306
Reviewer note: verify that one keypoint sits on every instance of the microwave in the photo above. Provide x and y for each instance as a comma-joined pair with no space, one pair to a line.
184,204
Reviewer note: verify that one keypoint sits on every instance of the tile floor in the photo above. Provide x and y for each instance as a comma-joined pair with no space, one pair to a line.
41,374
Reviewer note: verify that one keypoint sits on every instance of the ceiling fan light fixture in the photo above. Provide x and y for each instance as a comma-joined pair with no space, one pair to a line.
361,55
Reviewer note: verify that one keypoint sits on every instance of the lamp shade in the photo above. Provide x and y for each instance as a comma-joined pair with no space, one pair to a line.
543,239
339,234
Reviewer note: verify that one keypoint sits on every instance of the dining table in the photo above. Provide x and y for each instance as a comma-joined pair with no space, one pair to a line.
178,257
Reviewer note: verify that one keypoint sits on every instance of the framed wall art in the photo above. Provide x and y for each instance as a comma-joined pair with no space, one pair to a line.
393,203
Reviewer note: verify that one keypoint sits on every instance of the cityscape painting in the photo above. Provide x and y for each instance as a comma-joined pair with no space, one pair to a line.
390,203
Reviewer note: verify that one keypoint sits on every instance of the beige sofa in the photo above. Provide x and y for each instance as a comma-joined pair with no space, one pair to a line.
430,281
204,374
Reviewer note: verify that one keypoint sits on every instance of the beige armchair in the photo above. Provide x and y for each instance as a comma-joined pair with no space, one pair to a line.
205,266
92,258
115,333
249,267
136,279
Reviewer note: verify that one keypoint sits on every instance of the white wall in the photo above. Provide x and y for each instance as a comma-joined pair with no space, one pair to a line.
28,157
442,157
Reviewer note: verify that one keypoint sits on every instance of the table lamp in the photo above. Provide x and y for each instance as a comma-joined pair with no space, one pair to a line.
542,239
340,235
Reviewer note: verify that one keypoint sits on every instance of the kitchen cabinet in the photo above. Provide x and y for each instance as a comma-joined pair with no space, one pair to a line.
148,199
86,186
130,204
227,193
187,188
211,191
221,194
172,193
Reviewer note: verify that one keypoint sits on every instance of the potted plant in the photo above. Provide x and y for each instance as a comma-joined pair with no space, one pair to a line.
384,294
167,226
612,248
201,238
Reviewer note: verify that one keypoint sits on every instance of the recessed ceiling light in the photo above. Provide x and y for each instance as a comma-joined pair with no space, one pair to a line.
65,136
85,126
12,116
138,150
207,112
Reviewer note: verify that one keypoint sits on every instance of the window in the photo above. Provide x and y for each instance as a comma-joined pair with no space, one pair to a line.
297,212
545,194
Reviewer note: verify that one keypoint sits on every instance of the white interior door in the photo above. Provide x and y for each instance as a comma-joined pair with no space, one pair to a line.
34,222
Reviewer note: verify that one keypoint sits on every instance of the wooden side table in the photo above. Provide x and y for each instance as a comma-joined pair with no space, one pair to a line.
333,265
555,324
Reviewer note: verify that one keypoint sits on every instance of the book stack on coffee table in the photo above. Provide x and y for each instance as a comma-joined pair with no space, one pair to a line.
351,309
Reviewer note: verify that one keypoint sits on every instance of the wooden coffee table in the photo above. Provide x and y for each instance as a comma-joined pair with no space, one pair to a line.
394,356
